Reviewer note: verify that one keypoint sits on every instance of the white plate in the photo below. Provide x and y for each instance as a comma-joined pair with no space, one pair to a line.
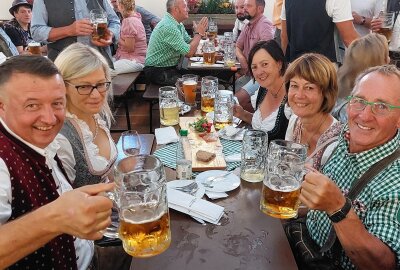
237,137
236,121
180,183
183,108
196,59
228,183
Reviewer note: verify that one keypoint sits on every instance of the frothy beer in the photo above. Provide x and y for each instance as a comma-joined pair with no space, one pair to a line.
34,48
99,30
207,104
189,90
209,58
144,238
280,201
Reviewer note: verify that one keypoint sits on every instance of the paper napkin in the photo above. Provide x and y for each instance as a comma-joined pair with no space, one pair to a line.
216,195
233,158
193,206
166,135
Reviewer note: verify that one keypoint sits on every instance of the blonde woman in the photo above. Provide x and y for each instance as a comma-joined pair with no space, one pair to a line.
87,150
132,45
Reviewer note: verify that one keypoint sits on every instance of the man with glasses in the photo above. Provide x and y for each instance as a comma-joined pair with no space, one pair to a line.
368,228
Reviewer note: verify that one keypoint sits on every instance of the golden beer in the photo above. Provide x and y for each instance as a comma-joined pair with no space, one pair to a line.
221,124
209,58
34,48
387,32
207,104
99,31
147,238
280,203
189,90
169,116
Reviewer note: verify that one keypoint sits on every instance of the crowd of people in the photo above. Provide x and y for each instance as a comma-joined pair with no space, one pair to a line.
317,74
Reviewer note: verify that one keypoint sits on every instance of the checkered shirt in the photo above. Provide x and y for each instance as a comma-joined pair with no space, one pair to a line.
168,42
377,205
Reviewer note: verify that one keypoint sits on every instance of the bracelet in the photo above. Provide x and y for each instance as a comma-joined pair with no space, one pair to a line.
363,20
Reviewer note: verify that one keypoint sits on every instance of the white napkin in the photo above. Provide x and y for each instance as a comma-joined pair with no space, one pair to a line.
193,206
216,195
166,135
233,158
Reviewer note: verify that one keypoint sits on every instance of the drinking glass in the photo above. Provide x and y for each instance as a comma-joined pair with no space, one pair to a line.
212,29
253,155
387,24
209,86
223,109
34,48
282,182
229,55
189,87
131,143
143,208
209,53
98,19
169,107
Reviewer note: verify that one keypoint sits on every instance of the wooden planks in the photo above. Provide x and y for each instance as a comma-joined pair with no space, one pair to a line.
197,143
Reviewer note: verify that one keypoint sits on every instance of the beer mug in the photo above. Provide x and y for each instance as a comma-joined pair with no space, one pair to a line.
223,109
169,107
282,181
387,24
189,87
34,48
143,208
98,19
209,53
229,55
209,86
212,29
253,155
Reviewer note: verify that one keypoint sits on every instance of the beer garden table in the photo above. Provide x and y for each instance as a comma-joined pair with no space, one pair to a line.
245,239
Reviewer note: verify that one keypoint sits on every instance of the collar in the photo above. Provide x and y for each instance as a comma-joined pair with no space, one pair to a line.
250,23
171,18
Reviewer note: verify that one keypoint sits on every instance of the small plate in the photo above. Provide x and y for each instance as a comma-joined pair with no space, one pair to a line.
180,183
196,59
236,121
237,137
183,108
228,183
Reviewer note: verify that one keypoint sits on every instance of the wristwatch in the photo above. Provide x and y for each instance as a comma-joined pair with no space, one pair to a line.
341,214
198,33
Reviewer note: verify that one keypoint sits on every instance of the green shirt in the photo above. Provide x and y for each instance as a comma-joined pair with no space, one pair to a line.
378,204
168,42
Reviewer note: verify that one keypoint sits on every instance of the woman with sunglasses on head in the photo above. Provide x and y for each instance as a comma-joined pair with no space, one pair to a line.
87,150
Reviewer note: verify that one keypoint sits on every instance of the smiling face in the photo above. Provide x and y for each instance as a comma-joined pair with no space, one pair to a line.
23,15
305,98
33,107
368,130
84,106
265,69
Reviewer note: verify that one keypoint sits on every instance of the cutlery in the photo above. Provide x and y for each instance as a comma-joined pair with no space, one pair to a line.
212,179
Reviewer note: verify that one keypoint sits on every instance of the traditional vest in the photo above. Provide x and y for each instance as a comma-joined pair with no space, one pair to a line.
33,186
84,172
309,29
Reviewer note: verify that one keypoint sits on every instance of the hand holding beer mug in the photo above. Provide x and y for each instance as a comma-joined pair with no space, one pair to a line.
144,217
98,19
386,29
209,53
209,87
282,182
169,107
189,87
223,109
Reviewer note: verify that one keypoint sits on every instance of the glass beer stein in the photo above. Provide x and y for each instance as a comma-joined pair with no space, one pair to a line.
282,182
209,86
223,109
169,107
98,19
143,208
189,87
209,53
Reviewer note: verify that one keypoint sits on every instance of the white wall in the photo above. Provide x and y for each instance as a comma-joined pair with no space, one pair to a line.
155,6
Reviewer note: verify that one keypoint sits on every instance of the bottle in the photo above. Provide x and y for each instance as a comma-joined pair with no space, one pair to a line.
183,157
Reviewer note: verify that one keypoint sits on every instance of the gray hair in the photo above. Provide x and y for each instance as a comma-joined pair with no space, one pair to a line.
79,60
170,5
386,70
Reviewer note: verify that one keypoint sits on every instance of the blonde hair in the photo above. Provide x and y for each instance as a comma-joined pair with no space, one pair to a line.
368,51
128,5
79,60
319,70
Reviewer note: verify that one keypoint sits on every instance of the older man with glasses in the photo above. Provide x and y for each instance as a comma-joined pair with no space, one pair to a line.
367,227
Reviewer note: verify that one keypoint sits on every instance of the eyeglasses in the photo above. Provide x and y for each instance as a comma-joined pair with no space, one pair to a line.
87,89
378,108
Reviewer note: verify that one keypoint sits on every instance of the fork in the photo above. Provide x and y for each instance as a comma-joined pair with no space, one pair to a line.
190,188
211,179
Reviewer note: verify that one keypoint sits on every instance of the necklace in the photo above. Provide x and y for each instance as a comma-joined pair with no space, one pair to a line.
96,131
277,92
307,142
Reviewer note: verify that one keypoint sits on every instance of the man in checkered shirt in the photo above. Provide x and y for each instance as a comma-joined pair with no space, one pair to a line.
370,232
169,42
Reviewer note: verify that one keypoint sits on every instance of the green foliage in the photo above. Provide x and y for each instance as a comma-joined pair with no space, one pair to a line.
216,7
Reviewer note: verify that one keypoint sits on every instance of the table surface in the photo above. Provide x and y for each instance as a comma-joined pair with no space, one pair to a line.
246,238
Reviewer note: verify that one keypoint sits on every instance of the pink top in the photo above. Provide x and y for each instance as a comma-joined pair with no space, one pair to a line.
133,27
254,31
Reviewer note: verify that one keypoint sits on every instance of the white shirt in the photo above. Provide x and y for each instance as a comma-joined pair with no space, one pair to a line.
268,123
366,8
84,249
238,27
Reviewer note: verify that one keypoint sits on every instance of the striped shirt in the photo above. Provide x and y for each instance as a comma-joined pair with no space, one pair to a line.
377,205
168,42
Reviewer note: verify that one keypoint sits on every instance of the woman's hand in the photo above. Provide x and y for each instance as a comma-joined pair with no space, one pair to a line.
238,111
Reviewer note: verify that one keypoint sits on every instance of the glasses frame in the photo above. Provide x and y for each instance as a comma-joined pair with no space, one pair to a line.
372,104
77,87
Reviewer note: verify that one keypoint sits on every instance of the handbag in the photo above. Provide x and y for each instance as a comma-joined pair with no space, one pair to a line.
308,254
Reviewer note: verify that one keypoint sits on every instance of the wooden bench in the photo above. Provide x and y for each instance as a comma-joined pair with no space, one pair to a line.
151,95
121,85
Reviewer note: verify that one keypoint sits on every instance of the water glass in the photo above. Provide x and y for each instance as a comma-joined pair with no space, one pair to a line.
98,19
143,208
209,86
131,142
253,155
169,106
223,109
282,182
